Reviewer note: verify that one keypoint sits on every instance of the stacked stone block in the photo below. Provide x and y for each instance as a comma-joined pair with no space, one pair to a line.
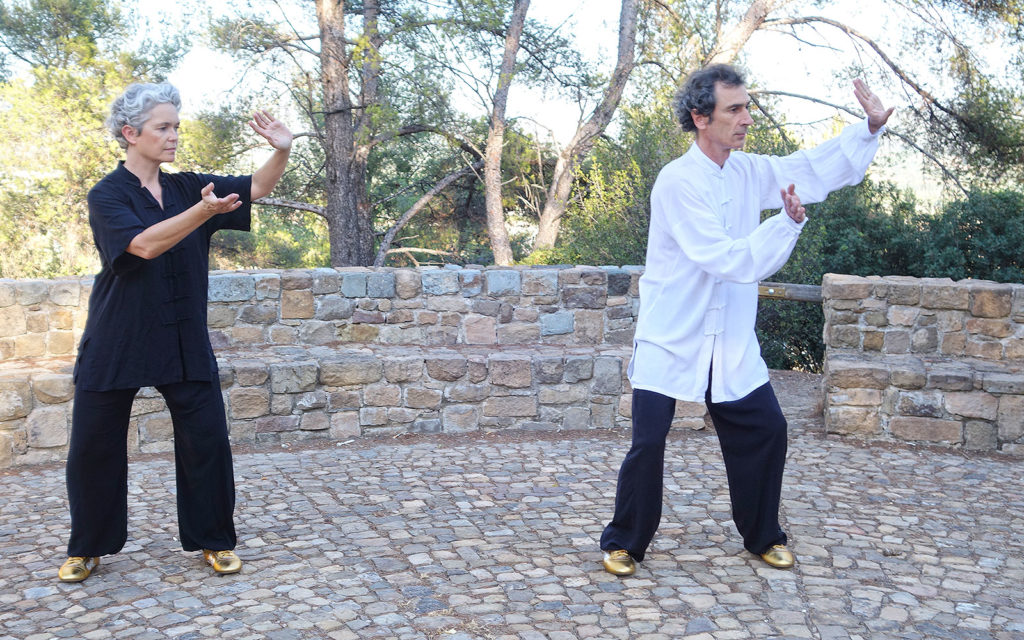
339,393
35,413
40,318
430,307
925,360
345,352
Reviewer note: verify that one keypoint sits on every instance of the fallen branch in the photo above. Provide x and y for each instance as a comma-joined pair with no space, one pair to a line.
389,237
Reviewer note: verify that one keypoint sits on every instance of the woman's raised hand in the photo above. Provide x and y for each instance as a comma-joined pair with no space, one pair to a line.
273,130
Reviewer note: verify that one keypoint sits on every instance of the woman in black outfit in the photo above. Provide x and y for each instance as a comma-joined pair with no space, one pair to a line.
147,327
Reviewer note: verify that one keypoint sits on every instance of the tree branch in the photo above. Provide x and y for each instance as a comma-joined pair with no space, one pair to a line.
389,237
461,141
889,130
667,9
411,250
298,37
291,204
900,73
664,68
778,127
728,45
412,25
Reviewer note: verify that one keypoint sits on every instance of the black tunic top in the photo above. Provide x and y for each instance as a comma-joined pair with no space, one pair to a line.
147,318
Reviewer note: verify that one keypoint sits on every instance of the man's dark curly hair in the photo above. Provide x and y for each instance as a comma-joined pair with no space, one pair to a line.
698,92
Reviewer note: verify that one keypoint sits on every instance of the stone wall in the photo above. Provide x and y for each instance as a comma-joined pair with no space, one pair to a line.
925,360
331,353
430,307
40,318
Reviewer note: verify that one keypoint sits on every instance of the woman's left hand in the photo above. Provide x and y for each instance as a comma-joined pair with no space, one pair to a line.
274,131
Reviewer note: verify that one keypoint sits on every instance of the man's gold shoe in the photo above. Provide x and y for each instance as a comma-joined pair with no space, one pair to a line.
779,557
223,561
619,562
77,568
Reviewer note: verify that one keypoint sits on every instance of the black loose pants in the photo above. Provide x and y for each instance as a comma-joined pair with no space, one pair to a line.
752,434
97,468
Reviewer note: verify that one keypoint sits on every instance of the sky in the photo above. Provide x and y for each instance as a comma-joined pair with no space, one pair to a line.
776,62
202,72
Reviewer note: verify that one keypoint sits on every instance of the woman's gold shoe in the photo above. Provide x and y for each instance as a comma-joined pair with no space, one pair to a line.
619,562
77,568
779,557
223,561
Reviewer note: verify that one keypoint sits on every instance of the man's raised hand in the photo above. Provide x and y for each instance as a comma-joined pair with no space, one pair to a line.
876,112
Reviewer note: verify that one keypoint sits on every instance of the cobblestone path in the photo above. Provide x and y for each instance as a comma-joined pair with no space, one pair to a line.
495,536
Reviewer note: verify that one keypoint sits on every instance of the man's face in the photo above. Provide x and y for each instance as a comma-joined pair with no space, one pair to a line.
726,128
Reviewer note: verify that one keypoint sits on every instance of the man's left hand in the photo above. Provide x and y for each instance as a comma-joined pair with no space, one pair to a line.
792,206
877,114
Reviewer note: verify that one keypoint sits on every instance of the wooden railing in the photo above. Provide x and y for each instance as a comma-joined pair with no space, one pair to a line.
785,291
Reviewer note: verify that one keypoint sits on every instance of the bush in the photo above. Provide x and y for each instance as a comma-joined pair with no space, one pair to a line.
868,229
979,237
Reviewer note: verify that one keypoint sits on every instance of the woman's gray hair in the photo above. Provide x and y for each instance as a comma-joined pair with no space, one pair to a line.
133,106
698,92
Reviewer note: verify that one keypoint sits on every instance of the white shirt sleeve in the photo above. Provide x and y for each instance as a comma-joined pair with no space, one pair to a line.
839,162
703,240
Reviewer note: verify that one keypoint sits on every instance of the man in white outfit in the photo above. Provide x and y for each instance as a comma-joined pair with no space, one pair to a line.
707,250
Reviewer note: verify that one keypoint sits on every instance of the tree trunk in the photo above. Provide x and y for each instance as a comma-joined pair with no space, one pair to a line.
348,214
500,244
583,141
728,45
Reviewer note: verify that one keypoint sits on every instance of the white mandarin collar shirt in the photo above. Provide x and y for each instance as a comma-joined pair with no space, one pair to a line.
706,252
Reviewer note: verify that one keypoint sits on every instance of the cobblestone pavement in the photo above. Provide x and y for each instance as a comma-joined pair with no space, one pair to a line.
495,536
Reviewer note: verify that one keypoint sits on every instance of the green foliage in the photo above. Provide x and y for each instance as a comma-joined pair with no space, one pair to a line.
875,229
54,129
59,33
978,237
607,219
280,239
609,225
53,120
52,123
452,225
1010,12
986,139
868,229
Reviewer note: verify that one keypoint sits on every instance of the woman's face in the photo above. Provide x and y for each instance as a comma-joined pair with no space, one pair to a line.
158,139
